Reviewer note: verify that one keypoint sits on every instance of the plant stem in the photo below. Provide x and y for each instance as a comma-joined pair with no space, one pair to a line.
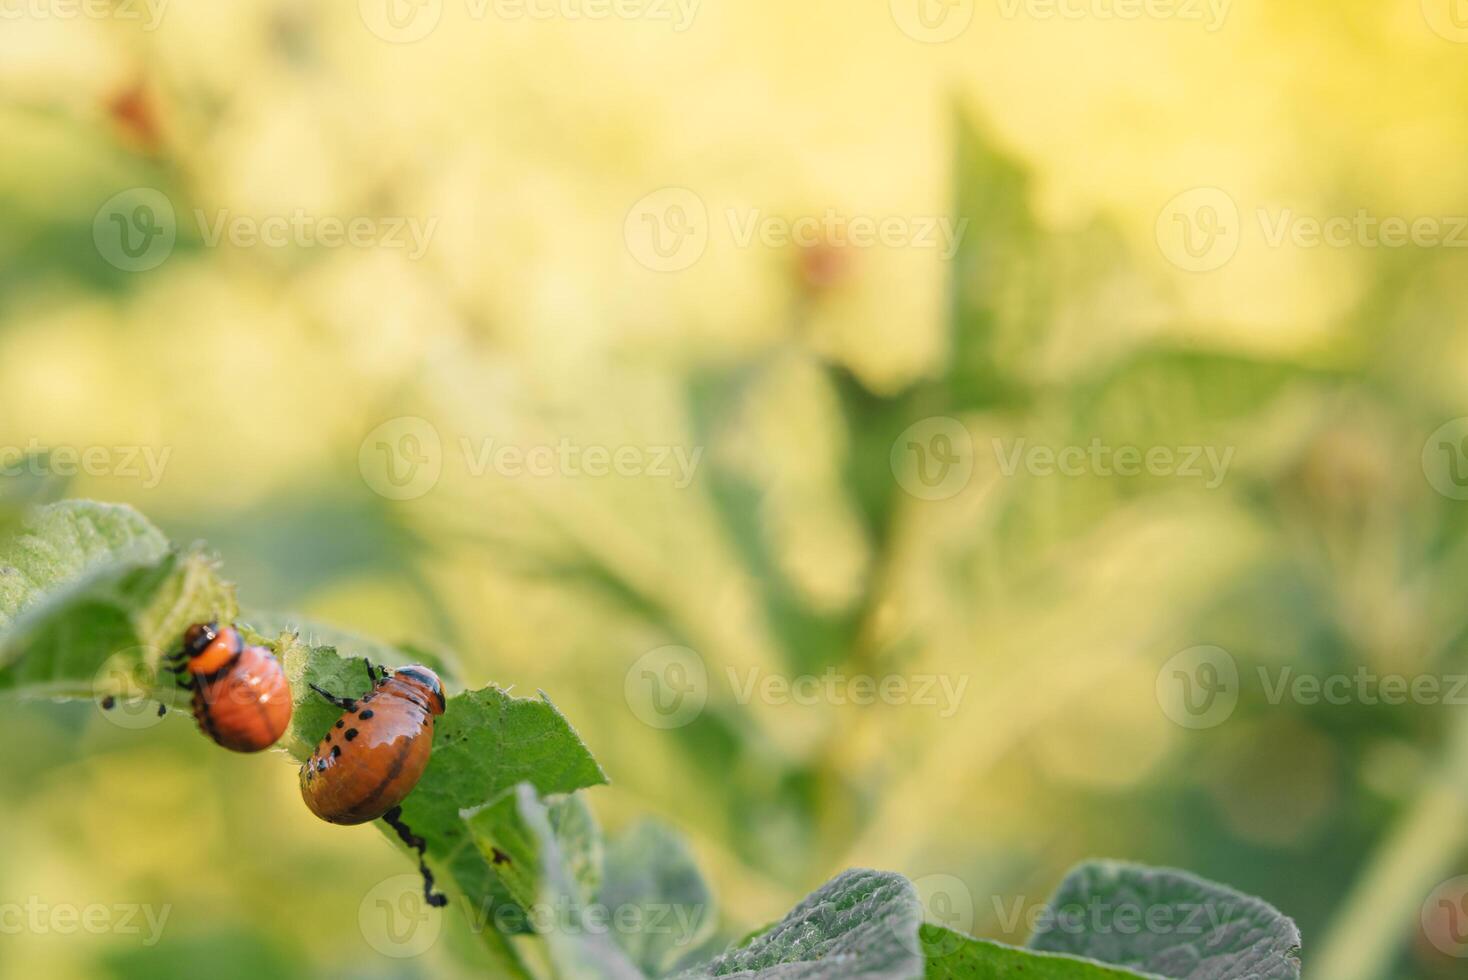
1383,906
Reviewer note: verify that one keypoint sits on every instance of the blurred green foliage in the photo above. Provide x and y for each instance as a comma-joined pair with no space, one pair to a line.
796,549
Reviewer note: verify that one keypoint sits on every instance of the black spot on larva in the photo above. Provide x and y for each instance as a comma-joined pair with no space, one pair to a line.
108,703
336,751
341,724
162,710
327,739
351,734
500,857
366,714
320,765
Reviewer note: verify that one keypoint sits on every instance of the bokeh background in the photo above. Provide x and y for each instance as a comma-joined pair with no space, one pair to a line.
1129,199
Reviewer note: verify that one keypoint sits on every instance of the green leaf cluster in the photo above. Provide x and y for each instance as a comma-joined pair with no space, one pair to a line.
92,597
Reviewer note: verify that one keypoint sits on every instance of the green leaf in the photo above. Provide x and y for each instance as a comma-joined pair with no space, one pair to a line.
58,545
861,925
869,924
484,744
650,869
513,851
1180,396
91,592
536,848
92,596
25,486
809,639
1168,923
1000,278
952,956
578,836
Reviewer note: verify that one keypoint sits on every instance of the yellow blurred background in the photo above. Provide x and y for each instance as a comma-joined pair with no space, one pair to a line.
754,245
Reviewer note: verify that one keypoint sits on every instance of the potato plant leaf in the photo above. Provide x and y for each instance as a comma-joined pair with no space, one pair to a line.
868,924
513,849
60,544
578,836
536,853
861,925
952,956
1168,923
652,879
91,596
485,743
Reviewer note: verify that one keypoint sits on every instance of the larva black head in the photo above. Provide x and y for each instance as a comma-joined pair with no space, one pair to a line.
198,637
209,647
426,680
